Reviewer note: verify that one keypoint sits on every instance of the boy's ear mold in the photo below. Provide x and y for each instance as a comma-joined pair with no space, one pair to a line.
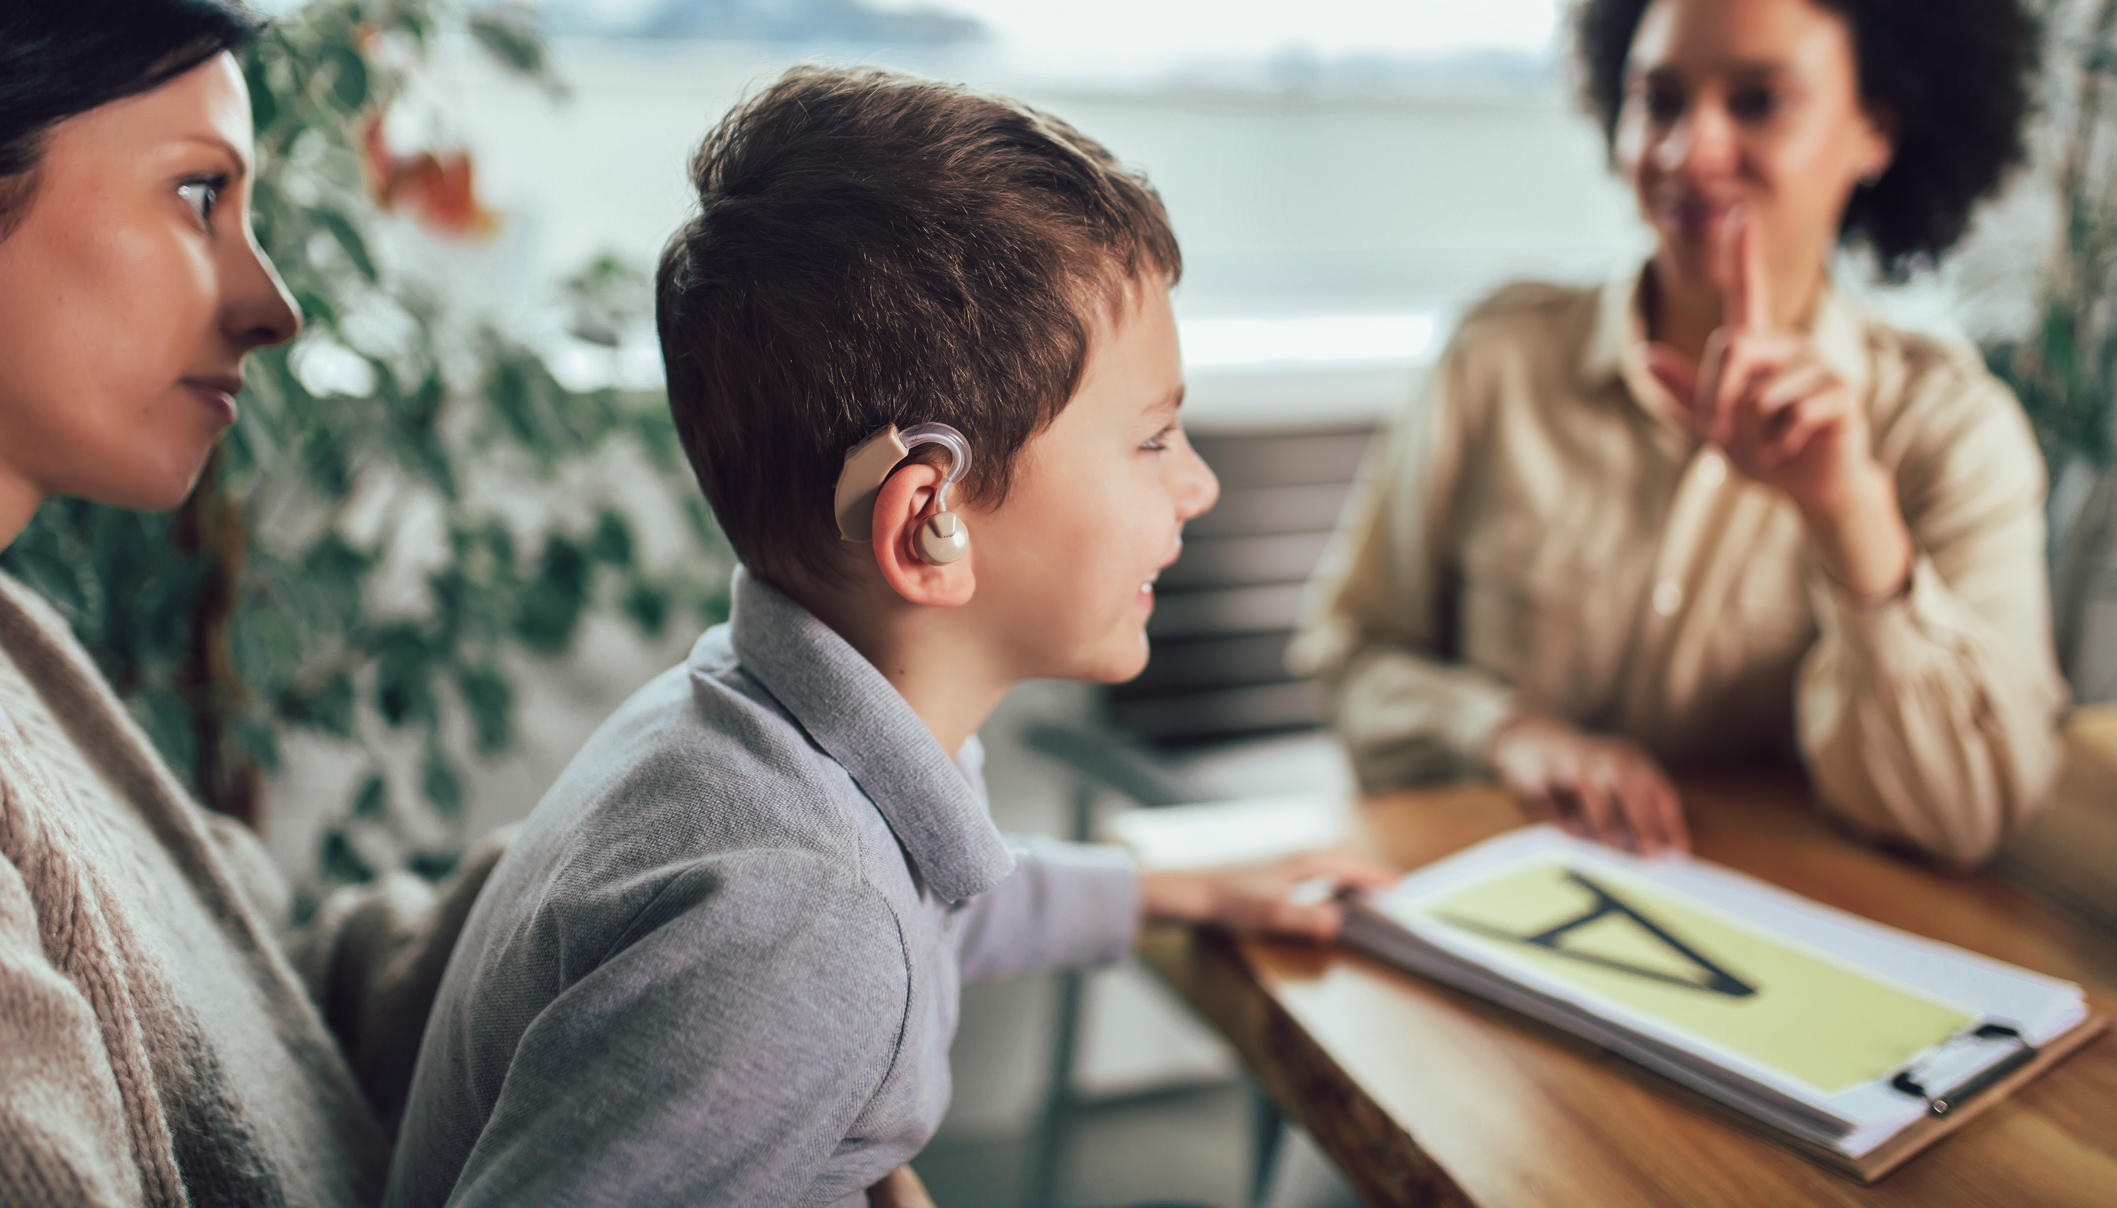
942,539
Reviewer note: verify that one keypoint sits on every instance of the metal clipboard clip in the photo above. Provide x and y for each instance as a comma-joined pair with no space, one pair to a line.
1908,1080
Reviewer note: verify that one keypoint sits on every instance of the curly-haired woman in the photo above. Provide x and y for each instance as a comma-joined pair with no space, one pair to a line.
1712,508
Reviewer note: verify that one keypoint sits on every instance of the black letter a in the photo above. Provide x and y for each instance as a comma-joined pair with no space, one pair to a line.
1715,980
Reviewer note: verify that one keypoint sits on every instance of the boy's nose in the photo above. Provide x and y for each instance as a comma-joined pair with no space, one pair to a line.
1201,488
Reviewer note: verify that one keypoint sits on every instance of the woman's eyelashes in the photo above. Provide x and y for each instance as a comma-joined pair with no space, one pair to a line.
1750,105
1754,104
202,194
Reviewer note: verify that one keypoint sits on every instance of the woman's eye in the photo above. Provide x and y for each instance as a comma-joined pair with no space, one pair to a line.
1754,104
1663,104
203,196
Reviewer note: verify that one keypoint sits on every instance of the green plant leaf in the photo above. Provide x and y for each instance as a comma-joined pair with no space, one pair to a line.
348,236
509,34
371,800
490,701
442,784
342,862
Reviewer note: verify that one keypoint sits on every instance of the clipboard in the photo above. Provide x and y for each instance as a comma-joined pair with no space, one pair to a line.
1960,1105
1449,920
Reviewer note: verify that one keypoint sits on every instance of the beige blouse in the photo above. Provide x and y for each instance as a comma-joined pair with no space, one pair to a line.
1541,533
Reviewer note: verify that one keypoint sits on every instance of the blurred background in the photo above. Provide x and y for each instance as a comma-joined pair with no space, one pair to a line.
453,530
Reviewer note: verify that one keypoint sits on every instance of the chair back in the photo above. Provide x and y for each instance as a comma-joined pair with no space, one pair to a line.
1225,610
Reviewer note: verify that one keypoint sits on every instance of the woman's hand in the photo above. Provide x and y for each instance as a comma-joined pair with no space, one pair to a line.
900,1188
1291,898
1605,789
1785,419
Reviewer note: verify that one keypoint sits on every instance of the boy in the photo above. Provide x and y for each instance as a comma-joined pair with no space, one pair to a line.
720,965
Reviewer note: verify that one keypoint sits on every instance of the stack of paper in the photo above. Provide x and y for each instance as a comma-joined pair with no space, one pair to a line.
1833,1029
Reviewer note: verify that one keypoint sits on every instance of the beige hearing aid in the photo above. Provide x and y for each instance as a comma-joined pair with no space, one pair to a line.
943,538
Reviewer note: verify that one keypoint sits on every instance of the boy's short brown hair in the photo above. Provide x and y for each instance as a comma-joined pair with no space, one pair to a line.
870,249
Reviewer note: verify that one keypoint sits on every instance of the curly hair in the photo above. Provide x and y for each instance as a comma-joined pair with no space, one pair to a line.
1953,76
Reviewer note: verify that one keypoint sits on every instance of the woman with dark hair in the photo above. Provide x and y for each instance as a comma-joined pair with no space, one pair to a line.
156,1043
1712,508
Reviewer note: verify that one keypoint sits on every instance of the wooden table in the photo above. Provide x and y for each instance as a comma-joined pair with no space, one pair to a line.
1423,1095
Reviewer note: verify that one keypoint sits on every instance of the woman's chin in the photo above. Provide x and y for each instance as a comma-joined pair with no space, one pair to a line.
163,490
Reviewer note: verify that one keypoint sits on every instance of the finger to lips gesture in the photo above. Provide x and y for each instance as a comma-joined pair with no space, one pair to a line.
1763,395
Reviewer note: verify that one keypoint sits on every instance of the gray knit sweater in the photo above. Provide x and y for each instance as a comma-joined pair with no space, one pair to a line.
157,1045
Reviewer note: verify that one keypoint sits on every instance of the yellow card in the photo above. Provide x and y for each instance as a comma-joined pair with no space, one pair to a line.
1654,951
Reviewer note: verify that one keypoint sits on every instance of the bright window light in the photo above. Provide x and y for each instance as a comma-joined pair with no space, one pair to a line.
1308,340
1176,29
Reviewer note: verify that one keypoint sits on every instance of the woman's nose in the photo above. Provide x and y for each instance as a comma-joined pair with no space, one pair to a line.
1700,143
259,312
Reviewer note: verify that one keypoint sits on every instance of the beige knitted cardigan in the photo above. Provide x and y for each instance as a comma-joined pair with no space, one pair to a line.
157,1044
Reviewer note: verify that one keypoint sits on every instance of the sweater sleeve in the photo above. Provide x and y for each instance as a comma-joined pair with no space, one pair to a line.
63,1137
373,957
1066,905
1933,719
1376,628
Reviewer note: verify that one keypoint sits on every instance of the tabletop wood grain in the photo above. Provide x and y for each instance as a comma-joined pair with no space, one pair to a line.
1424,1095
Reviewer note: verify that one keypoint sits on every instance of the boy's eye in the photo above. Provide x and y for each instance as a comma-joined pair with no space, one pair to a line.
203,195
1159,442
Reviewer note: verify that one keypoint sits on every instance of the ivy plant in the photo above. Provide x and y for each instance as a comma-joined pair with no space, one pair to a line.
2064,369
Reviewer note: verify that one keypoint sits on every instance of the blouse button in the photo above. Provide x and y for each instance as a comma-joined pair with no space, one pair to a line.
1712,469
1668,597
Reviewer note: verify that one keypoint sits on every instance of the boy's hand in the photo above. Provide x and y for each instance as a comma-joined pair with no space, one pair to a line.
1294,897
899,1189
1596,787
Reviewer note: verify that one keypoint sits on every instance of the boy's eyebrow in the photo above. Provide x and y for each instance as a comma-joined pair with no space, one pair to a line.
1169,402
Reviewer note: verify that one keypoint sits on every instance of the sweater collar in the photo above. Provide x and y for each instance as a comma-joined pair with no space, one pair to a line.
934,804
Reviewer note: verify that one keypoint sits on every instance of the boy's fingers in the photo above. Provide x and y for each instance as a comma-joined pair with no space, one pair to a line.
1317,921
1343,866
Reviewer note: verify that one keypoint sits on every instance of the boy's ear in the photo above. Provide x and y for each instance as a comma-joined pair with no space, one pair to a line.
901,507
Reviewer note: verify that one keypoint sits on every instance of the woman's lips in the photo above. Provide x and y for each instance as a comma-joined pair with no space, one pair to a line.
219,395
1693,216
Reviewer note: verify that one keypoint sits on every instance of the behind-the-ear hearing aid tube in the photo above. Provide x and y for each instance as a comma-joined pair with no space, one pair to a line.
870,462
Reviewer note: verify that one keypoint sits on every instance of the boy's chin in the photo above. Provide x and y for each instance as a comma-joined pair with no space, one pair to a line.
1117,666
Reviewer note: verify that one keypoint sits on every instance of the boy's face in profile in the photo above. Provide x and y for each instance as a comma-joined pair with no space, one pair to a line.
1065,566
